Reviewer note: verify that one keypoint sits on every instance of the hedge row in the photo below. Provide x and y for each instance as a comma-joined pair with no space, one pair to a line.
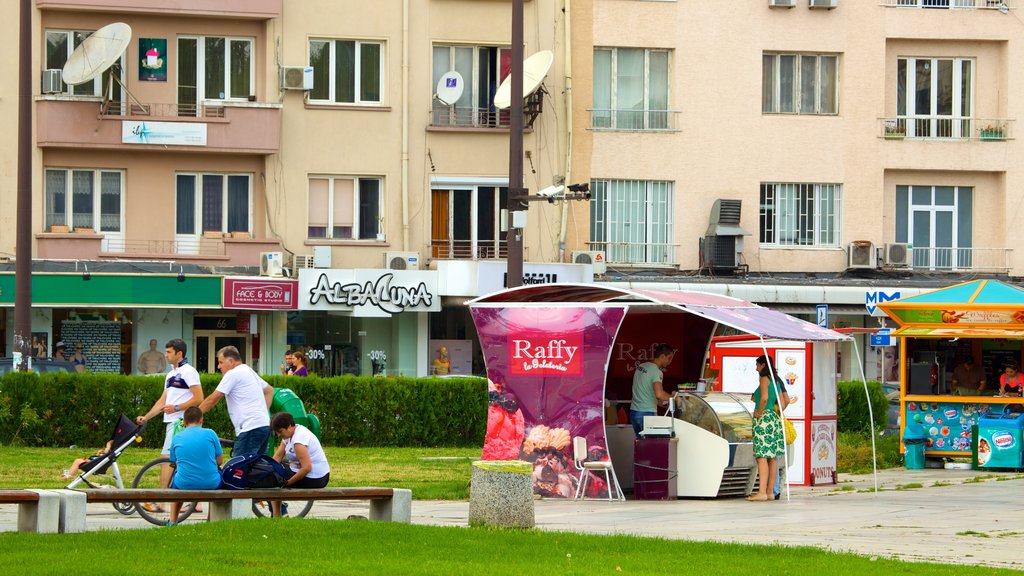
81,409
852,409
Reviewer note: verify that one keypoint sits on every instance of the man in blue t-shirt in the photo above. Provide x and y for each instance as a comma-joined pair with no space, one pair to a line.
197,455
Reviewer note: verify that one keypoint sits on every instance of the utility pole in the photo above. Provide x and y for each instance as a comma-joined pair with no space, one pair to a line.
23,234
516,192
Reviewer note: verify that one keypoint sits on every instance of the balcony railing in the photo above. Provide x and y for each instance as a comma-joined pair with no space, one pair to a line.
202,246
445,249
951,4
163,110
474,117
637,254
633,120
946,128
995,260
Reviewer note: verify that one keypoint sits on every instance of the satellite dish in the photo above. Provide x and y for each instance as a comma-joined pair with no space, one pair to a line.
450,87
97,53
535,68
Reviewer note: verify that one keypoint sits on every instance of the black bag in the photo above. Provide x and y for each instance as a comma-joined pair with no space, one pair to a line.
252,471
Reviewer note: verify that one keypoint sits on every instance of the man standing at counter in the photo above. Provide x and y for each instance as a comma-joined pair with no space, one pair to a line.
647,389
968,378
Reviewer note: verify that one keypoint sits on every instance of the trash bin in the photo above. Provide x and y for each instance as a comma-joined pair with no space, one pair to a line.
914,439
285,400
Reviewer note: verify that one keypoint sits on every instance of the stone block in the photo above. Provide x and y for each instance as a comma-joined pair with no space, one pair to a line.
72,511
230,509
501,494
43,516
397,509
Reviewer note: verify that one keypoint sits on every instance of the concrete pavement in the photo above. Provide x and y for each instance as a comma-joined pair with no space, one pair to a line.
950,516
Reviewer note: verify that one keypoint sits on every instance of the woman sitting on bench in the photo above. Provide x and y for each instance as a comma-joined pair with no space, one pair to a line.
307,462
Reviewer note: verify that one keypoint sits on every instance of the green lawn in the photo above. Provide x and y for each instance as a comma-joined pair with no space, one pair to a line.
262,546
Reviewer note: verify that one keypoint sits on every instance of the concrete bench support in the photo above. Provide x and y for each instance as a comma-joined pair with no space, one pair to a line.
72,511
398,508
501,494
230,509
42,516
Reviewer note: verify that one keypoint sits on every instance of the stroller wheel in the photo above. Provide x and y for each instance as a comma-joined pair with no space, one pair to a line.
126,508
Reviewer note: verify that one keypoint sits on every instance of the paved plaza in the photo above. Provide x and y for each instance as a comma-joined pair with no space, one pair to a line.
956,516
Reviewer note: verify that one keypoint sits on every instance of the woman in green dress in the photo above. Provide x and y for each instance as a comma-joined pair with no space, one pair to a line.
769,438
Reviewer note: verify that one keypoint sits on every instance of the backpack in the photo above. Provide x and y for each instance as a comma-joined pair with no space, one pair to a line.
252,471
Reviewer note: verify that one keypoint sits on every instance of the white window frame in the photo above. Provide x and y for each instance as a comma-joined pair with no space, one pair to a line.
332,85
614,111
97,83
479,248
776,84
201,63
936,125
821,216
443,115
957,256
612,228
112,238
198,211
356,230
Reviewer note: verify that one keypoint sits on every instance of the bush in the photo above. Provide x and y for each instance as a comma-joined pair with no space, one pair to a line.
81,409
852,409
853,452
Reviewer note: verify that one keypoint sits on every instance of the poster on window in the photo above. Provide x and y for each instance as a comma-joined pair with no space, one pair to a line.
153,59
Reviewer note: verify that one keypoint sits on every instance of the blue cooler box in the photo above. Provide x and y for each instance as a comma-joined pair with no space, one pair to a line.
997,441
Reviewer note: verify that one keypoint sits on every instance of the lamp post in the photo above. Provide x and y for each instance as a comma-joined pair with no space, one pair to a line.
514,238
23,234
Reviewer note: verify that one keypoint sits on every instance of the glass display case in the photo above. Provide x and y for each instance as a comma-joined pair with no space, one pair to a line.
726,415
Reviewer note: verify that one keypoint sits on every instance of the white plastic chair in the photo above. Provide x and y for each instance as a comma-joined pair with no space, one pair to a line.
579,456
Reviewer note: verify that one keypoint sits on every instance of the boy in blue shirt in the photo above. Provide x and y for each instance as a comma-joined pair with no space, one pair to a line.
197,455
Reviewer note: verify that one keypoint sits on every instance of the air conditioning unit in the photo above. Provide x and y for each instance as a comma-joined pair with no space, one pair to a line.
300,261
52,81
782,3
296,77
402,260
593,257
271,264
897,255
827,4
861,254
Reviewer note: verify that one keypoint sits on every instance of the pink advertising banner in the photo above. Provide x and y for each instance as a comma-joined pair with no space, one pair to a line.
260,294
546,369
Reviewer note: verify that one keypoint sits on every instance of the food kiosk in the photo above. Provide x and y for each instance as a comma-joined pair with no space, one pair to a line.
560,359
938,330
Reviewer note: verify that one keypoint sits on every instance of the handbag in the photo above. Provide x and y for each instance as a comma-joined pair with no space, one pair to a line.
790,431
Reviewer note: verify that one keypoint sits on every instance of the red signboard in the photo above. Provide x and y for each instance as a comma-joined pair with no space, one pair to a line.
260,294
553,350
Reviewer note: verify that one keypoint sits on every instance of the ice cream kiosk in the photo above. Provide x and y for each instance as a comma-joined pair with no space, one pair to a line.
808,370
982,320
559,363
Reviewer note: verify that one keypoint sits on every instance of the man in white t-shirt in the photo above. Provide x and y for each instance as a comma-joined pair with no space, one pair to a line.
248,397
181,390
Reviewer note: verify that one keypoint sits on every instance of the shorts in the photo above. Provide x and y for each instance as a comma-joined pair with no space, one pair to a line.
308,482
168,434
253,441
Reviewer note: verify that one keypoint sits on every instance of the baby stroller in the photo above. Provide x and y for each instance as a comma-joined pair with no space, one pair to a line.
126,432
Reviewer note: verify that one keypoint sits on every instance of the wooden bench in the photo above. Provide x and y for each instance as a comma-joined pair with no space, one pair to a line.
38,510
386,504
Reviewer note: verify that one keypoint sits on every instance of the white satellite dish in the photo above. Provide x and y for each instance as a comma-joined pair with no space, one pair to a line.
535,68
97,53
450,87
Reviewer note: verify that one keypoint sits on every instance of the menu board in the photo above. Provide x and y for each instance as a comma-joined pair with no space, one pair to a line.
101,343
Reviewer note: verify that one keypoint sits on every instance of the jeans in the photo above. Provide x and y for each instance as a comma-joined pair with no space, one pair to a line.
253,441
637,420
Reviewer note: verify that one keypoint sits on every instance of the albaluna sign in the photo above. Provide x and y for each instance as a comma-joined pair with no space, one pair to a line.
369,292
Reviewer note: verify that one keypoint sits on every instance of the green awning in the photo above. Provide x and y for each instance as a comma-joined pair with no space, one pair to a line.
118,290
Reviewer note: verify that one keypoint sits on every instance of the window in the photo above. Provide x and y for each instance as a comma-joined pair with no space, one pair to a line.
213,203
346,71
213,68
799,214
59,46
935,96
936,221
799,84
345,208
631,89
631,220
465,221
79,198
482,69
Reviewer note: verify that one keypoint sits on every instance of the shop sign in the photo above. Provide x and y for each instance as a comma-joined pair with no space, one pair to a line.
166,133
823,453
369,292
493,276
875,297
260,294
959,316
121,290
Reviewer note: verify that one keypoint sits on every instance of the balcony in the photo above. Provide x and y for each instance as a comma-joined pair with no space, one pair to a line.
215,126
211,251
946,128
248,9
633,120
1001,5
640,255
468,117
445,249
960,260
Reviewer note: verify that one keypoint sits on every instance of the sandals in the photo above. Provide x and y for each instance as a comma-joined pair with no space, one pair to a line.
757,498
153,508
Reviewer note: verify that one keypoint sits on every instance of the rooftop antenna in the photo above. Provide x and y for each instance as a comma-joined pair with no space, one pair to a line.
102,50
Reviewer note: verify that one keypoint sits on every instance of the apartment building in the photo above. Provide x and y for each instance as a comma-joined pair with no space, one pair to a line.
228,133
800,152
